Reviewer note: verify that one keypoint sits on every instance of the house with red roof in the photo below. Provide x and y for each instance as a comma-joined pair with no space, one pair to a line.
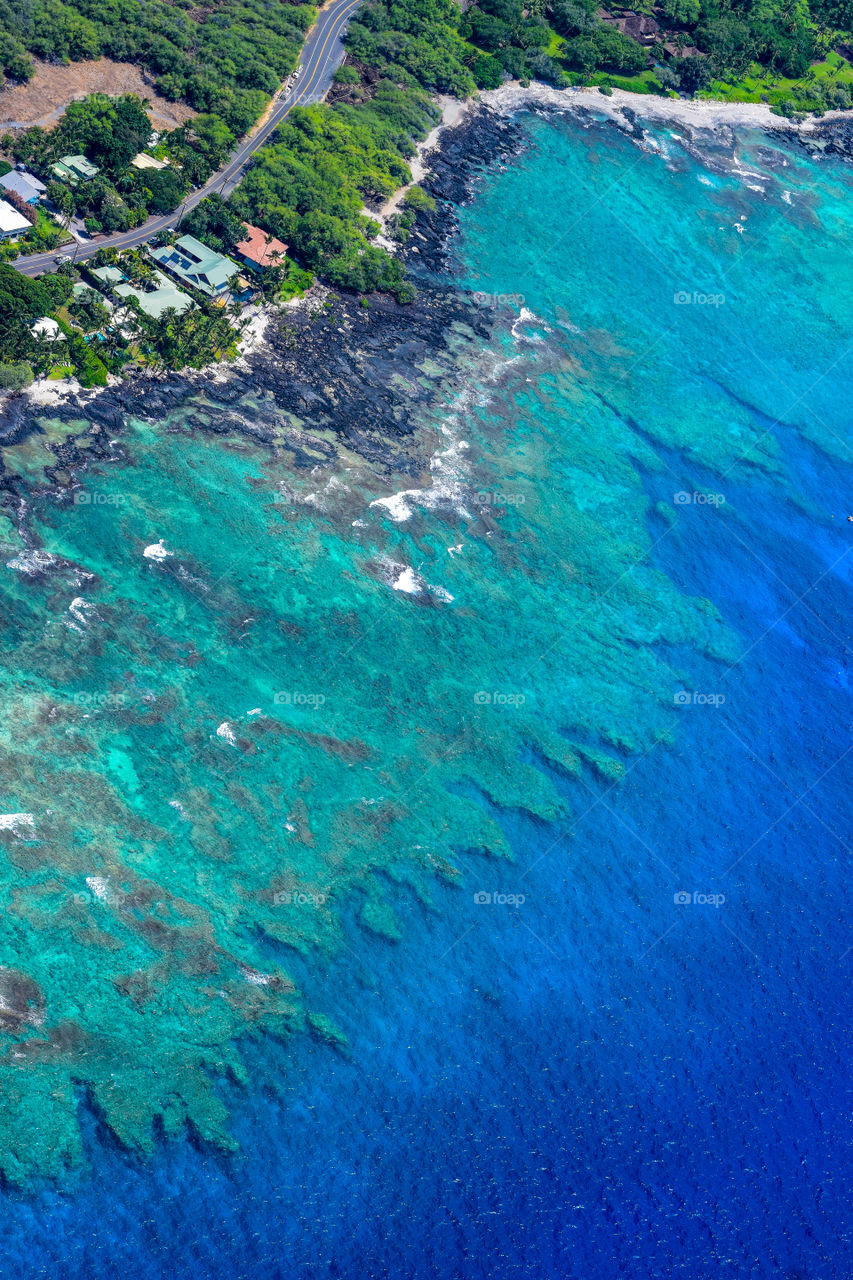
260,250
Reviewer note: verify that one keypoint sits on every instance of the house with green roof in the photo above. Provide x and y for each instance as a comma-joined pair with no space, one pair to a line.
109,275
197,266
156,296
73,168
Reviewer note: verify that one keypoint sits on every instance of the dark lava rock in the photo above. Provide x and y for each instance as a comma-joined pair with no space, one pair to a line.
350,370
465,153
830,138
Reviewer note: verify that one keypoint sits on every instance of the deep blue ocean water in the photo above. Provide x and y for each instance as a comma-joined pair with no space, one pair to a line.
598,1081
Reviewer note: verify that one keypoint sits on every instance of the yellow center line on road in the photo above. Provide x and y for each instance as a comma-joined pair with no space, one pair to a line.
195,198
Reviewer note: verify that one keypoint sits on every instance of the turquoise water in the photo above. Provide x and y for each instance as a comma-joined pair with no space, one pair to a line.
420,770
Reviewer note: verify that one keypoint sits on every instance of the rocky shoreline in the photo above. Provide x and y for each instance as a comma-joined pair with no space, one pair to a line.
483,139
337,375
332,376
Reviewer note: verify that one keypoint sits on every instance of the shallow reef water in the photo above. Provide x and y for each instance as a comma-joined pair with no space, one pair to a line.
481,834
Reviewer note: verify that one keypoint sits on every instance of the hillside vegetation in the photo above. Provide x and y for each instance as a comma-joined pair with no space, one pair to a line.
313,185
227,58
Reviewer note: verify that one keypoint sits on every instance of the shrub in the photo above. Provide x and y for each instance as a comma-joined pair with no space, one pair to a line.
419,200
14,377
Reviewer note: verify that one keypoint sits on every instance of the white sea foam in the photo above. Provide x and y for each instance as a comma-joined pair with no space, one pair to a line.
20,824
448,488
33,562
254,976
396,506
157,551
225,731
78,609
402,577
525,316
407,581
333,488
100,887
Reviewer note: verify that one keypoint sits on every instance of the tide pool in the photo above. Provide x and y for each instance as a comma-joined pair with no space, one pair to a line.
528,784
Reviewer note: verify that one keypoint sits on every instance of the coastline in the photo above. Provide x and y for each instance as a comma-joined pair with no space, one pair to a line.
621,107
283,350
699,113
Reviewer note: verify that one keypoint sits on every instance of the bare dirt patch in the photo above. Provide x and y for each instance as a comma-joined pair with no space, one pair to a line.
44,99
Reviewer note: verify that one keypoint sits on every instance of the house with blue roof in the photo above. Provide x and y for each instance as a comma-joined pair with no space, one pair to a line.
22,184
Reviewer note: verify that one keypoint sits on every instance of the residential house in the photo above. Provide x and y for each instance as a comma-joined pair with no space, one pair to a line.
161,297
46,327
260,251
197,266
639,26
12,223
73,168
24,185
144,161
109,276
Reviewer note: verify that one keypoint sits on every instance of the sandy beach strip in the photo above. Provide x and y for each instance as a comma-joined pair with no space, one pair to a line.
694,113
697,113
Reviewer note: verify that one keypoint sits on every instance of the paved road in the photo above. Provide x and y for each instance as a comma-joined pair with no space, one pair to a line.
322,54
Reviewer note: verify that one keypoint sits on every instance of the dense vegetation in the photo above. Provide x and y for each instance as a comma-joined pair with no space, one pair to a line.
227,57
310,185
314,185
98,335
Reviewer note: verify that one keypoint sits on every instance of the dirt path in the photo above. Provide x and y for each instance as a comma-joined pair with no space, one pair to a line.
44,99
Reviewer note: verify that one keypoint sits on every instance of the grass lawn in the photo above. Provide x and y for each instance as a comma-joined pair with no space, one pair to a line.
758,86
645,82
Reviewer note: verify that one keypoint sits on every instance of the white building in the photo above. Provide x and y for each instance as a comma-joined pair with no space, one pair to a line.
46,328
12,223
